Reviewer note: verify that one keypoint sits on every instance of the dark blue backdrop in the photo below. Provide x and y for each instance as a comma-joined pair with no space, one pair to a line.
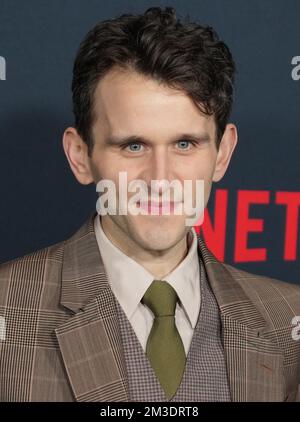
41,203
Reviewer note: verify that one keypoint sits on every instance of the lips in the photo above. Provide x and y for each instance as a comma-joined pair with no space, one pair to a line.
160,206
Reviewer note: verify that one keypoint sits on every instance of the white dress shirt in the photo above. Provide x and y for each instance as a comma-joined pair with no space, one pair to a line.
129,281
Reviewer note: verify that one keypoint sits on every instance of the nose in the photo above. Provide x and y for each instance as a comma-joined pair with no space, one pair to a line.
159,171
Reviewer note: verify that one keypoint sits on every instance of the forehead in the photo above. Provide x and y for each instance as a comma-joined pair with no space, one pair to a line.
127,101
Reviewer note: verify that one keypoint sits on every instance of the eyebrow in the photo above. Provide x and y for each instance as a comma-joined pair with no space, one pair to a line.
114,140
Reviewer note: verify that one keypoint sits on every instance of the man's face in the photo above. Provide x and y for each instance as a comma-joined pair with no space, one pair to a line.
128,104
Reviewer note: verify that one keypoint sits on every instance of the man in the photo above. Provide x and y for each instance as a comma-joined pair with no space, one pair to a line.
135,307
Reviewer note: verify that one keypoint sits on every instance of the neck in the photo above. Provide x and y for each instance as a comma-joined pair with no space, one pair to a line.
157,262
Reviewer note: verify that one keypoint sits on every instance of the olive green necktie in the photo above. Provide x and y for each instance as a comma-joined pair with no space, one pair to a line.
164,347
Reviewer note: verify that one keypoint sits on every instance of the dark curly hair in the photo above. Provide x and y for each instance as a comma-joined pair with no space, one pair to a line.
185,56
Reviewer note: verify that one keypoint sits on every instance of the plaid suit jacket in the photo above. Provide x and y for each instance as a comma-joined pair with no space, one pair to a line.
63,340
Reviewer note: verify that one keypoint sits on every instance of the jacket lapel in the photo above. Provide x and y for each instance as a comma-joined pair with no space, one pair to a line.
89,341
254,363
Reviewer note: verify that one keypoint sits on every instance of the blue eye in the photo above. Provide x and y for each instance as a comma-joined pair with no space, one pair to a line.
184,143
134,147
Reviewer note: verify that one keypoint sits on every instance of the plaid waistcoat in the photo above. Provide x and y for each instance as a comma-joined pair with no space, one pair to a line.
205,377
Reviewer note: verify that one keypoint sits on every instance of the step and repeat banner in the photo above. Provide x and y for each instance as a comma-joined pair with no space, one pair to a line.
252,218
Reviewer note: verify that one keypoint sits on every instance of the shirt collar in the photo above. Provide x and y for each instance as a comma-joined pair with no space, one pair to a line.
185,279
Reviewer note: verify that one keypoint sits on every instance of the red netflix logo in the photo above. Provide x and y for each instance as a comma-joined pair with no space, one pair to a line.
215,235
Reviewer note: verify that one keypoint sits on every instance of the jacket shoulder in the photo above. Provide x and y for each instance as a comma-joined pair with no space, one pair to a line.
267,292
32,273
261,281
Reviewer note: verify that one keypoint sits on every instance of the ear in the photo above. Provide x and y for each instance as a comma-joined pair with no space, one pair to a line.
226,148
76,151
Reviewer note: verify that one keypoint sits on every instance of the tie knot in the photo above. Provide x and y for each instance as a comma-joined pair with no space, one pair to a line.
161,298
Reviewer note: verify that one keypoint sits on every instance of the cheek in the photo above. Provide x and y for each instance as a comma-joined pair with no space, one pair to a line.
206,167
112,170
200,169
104,167
197,169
